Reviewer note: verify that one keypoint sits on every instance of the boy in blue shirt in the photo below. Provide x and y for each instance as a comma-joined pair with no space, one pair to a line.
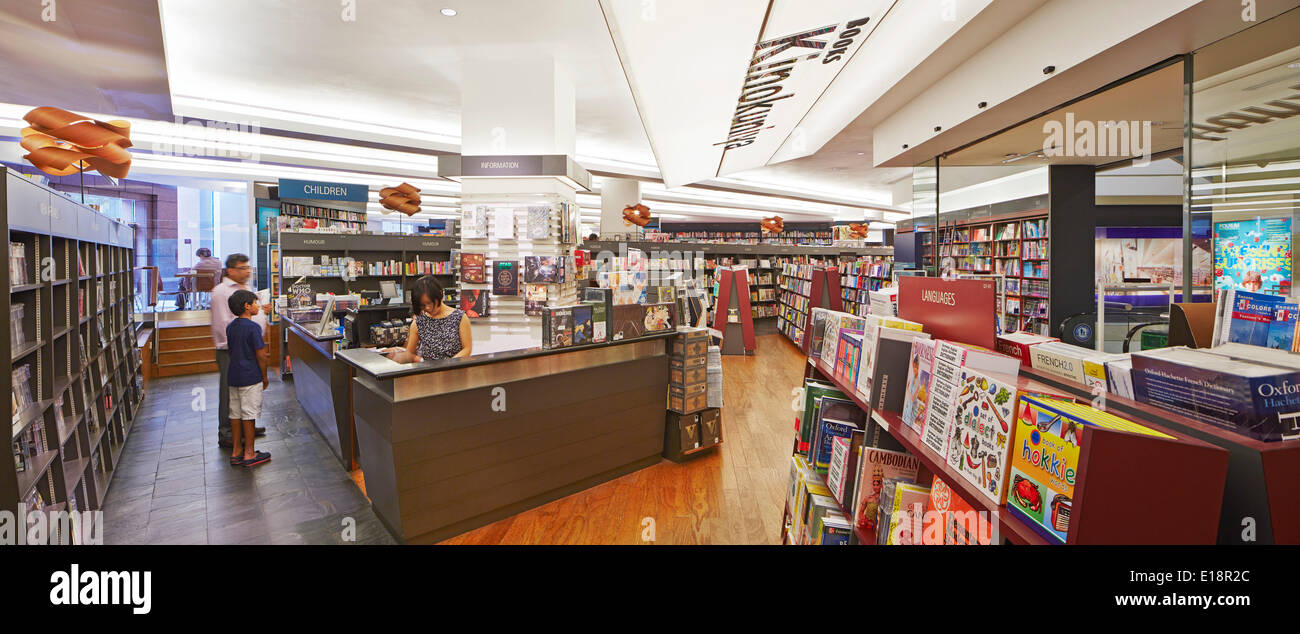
247,378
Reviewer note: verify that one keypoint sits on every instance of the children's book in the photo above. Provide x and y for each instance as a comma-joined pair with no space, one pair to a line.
918,383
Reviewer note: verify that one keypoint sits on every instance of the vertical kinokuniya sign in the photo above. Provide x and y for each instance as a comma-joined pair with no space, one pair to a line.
753,70
803,46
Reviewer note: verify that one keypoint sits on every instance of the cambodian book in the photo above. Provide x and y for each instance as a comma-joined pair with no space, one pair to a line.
875,467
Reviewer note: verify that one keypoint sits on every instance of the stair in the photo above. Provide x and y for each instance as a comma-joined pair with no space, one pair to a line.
185,349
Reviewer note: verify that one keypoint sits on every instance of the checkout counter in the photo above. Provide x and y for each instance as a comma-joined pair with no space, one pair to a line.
451,445
323,385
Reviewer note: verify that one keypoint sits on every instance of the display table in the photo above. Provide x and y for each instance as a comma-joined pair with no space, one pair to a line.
324,387
451,445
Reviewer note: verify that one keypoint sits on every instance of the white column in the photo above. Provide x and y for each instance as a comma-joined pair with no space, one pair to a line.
516,107
615,195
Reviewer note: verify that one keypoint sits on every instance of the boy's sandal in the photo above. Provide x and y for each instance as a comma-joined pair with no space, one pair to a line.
262,456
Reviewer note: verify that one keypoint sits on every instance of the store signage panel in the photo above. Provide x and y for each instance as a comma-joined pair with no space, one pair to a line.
522,165
958,310
315,190
748,94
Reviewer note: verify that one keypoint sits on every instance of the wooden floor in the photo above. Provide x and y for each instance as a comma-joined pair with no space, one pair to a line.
731,496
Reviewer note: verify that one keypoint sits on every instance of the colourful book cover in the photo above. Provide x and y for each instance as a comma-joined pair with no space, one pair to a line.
505,278
960,523
875,467
849,357
1281,330
830,430
474,302
806,424
534,299
918,383
833,407
581,324
980,435
557,327
1045,458
540,269
818,331
471,268
901,521
1251,314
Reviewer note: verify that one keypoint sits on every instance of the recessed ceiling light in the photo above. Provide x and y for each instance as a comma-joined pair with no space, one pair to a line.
862,153
449,12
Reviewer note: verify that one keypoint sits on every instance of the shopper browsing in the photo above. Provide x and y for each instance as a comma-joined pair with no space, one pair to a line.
237,273
438,331
246,377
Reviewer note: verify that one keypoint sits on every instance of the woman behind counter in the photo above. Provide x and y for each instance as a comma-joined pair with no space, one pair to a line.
438,331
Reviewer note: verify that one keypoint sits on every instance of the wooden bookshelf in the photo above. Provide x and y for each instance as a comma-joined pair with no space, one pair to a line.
80,350
1016,246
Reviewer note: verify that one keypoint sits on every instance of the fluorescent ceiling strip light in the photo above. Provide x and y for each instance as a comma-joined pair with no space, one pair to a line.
1276,166
179,102
261,170
1250,183
1247,194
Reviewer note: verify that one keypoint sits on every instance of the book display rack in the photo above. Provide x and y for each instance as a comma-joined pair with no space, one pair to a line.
732,318
698,261
76,383
965,428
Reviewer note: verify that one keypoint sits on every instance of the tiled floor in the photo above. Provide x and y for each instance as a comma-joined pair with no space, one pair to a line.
175,486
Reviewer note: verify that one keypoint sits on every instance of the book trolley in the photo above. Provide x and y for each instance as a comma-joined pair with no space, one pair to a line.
72,355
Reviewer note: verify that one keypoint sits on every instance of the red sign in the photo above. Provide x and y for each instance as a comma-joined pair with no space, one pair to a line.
958,310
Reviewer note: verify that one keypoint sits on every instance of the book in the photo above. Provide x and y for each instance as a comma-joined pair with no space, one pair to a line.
835,530
1253,399
883,375
830,429
582,327
474,222
1044,463
841,476
18,264
539,222
599,320
902,513
472,268
848,357
949,358
817,331
474,302
503,223
805,424
557,327
918,383
961,524
534,299
980,433
541,269
1244,317
1018,344
658,318
875,467
505,277
1281,330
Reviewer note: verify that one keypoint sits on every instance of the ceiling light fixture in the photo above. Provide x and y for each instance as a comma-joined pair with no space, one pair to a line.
451,13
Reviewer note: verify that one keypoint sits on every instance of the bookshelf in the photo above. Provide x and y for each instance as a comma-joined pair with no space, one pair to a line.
320,218
1016,247
72,356
699,260
859,277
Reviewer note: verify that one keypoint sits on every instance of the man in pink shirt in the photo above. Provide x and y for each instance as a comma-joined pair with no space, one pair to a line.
237,272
